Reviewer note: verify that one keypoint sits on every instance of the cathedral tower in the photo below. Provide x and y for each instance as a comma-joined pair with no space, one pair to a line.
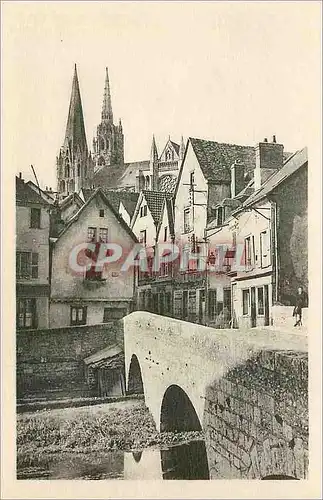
74,163
108,145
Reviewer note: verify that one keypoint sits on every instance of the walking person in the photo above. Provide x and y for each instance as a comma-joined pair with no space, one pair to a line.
300,302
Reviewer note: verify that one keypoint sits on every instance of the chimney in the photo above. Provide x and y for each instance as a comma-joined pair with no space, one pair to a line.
237,178
20,175
269,159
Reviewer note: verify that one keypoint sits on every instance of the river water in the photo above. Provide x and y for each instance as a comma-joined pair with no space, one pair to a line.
185,461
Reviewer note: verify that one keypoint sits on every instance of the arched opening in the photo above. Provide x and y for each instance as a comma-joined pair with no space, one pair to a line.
102,144
71,186
147,183
62,187
101,161
188,460
135,383
67,168
79,169
177,412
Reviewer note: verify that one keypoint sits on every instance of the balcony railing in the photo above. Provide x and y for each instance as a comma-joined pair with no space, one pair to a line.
167,165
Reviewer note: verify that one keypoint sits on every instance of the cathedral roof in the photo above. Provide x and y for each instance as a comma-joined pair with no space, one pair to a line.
119,176
75,131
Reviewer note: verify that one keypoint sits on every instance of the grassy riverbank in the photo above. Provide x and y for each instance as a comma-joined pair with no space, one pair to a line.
127,425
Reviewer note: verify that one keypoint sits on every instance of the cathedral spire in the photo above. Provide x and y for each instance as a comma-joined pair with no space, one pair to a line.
75,131
107,106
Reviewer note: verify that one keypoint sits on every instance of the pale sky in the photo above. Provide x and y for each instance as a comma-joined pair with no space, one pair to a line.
231,72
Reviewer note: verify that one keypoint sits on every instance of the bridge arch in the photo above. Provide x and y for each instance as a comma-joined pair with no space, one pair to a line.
177,412
135,381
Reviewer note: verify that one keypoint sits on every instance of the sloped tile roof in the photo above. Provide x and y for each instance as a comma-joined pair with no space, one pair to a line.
216,158
155,202
128,198
25,194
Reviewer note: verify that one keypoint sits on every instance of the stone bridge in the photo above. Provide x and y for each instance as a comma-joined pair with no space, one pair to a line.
247,390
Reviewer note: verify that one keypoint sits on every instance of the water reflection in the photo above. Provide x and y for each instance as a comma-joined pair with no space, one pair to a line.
186,461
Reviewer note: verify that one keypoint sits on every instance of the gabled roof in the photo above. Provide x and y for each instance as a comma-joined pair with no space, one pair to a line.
175,146
168,206
119,176
155,202
48,196
99,192
294,163
215,158
70,199
26,194
127,198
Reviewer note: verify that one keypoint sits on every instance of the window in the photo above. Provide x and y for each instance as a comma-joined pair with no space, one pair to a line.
35,218
143,237
26,265
187,224
78,315
164,269
79,170
26,313
192,180
91,234
143,211
103,235
219,216
113,313
249,251
265,249
260,294
245,301
101,213
67,168
165,233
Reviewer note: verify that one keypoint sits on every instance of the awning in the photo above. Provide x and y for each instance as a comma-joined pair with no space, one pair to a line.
111,357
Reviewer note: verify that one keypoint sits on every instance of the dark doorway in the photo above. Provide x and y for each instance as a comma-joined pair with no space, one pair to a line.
253,310
135,383
202,307
185,304
266,305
